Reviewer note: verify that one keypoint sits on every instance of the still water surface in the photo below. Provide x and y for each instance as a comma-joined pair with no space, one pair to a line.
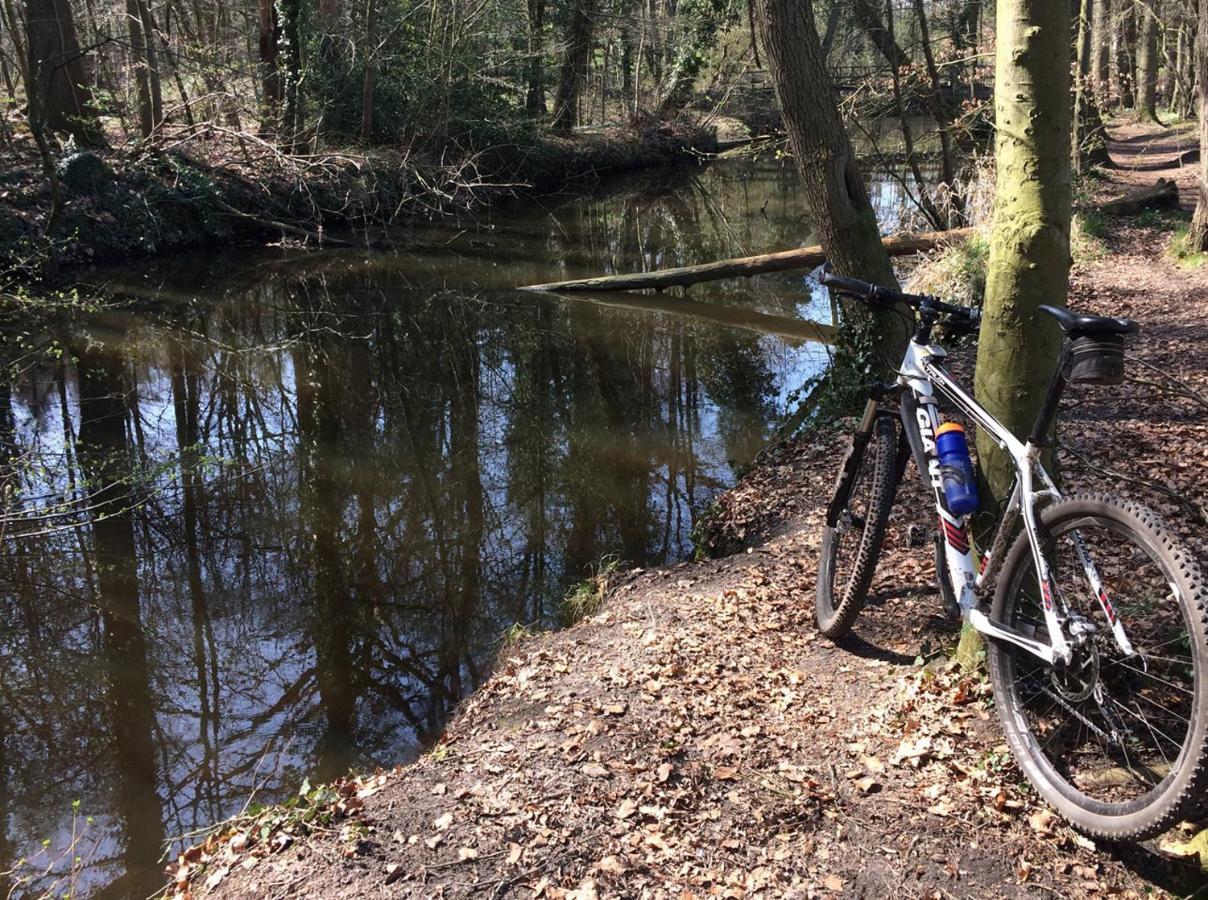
311,491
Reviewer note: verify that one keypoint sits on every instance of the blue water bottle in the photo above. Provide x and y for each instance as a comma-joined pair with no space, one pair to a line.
956,468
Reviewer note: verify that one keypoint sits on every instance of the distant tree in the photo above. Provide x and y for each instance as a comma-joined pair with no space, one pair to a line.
1147,64
833,184
1198,237
145,64
1090,138
60,100
269,26
534,94
573,72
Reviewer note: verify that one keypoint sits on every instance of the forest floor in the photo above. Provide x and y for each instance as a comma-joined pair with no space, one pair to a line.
209,185
696,736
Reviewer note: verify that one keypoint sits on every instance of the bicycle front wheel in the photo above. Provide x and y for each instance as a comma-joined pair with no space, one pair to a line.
850,549
1115,742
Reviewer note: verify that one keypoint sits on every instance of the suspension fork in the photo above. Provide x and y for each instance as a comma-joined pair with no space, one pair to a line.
855,453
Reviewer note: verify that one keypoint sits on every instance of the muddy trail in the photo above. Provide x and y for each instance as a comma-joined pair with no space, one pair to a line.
695,736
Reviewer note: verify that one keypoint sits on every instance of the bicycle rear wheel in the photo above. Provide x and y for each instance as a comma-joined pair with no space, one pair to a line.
850,549
1117,744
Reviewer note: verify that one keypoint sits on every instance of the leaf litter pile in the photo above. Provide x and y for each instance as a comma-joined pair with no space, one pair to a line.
696,737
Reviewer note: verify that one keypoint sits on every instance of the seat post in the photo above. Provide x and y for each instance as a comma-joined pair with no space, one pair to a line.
1052,397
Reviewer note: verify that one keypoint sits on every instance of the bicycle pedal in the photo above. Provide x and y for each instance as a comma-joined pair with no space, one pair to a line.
917,536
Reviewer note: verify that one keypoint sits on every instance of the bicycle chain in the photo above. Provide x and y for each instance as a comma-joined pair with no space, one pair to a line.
1080,717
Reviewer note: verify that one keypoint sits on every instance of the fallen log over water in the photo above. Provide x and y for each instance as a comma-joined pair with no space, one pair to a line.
761,323
1163,195
746,266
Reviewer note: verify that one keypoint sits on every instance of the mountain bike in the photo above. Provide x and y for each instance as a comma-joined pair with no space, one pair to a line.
1097,630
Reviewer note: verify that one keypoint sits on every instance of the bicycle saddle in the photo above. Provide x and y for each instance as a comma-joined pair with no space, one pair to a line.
1073,323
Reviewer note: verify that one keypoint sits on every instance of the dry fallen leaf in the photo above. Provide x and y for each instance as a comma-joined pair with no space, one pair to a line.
464,853
1041,821
443,822
833,883
626,809
595,770
610,865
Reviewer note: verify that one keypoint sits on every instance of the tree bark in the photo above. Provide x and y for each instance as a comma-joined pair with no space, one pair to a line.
534,98
574,65
1030,239
1147,65
60,99
1198,236
833,184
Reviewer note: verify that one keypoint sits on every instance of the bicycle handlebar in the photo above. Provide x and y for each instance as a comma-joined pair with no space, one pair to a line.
877,294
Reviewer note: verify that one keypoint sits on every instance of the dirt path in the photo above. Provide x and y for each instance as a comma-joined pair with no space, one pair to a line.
696,737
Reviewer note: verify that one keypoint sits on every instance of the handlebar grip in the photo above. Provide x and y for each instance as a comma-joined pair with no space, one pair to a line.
848,285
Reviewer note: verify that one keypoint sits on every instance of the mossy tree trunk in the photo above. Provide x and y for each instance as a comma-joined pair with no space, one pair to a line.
833,184
1147,64
1030,240
1198,238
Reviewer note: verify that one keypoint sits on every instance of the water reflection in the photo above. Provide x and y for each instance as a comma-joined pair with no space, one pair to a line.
268,519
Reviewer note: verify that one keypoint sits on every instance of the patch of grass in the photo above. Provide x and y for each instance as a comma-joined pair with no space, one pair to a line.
517,632
1181,251
584,598
957,273
1162,219
1086,236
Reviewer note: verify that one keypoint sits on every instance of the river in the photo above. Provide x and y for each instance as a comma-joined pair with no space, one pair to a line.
269,515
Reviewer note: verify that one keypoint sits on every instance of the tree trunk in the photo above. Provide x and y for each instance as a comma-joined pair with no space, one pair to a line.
866,13
1090,138
832,182
60,100
1100,50
140,72
1147,65
574,65
1126,40
154,82
1030,240
534,98
370,71
1198,236
291,30
943,115
270,69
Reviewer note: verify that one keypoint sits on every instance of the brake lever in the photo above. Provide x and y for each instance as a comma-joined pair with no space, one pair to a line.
819,273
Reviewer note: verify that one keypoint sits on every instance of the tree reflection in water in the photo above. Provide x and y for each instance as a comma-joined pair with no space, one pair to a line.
303,509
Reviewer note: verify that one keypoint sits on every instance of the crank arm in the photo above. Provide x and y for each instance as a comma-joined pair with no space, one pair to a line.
983,624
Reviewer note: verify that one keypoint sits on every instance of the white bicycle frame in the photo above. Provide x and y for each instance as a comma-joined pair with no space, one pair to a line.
922,374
